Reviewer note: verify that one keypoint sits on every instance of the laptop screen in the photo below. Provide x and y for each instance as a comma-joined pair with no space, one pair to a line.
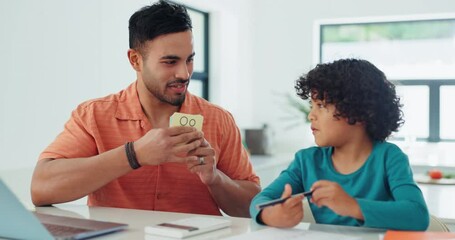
17,222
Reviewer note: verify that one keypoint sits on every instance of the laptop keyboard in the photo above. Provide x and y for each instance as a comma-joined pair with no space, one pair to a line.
60,230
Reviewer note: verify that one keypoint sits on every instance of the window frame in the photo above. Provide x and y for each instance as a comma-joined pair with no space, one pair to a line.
203,76
433,84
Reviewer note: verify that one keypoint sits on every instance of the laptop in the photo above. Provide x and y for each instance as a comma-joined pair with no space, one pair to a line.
18,223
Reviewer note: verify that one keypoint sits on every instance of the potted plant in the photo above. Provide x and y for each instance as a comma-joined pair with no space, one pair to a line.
297,110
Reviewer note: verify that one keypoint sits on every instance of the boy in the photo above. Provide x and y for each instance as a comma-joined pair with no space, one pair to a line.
356,177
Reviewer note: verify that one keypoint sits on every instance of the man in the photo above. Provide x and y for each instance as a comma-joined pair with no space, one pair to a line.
120,151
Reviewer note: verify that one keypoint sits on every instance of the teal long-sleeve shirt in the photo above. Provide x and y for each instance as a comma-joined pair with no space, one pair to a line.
383,187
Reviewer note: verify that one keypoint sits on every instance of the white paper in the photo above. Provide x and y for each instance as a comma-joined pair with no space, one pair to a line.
290,234
203,225
214,235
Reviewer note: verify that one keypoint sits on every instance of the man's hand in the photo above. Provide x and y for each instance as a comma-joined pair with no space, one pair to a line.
233,196
285,215
207,170
168,145
332,195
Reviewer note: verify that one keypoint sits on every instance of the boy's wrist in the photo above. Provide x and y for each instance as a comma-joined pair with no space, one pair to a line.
259,218
265,218
356,211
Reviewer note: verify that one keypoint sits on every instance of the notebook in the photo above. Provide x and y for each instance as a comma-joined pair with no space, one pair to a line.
19,223
412,235
187,227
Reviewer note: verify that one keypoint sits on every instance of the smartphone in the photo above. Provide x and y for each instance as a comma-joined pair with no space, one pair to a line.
183,227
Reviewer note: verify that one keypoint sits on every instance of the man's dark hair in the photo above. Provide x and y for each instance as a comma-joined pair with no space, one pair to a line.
158,19
360,93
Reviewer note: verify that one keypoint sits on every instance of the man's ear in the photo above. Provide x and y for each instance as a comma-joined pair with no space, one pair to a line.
135,59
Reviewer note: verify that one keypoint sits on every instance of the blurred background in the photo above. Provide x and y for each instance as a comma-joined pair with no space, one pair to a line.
56,54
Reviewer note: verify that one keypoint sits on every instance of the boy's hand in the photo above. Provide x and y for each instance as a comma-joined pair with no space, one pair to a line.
285,215
331,195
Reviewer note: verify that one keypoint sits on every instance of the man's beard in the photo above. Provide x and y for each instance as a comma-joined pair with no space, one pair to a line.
174,100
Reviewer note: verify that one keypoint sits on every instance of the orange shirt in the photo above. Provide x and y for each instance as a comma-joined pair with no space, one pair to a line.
99,125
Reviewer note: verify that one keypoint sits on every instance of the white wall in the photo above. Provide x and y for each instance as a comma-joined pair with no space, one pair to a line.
55,54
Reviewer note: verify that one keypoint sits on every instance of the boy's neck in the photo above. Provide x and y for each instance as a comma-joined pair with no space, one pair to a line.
351,156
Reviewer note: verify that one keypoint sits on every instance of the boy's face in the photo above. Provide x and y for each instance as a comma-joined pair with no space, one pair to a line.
327,129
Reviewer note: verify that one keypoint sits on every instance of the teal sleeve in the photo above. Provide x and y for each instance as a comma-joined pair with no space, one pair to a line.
407,211
292,176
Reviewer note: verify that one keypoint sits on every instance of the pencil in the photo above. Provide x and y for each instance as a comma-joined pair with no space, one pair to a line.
281,200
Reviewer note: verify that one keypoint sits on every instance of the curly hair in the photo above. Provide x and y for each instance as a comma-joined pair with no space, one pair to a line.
359,91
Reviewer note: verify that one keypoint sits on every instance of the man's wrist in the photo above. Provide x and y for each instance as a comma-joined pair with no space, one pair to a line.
217,178
131,155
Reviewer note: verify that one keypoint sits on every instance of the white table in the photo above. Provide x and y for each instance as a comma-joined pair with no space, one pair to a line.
440,201
138,219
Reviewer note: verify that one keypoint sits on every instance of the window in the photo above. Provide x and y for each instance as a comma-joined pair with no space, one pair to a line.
416,54
200,80
447,94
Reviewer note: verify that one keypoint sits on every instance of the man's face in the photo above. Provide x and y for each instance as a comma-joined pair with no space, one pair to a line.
168,66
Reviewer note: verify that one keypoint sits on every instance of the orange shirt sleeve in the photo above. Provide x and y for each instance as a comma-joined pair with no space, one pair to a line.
234,160
76,139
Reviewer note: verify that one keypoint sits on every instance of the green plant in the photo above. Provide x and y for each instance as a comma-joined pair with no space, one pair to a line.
297,110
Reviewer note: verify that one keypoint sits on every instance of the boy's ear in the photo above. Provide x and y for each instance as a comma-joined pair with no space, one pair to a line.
135,59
